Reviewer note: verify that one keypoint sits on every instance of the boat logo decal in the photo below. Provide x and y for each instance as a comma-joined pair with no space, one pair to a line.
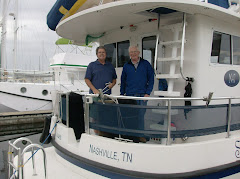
231,78
237,145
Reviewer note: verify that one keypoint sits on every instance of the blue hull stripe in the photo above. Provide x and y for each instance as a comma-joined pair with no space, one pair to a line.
221,174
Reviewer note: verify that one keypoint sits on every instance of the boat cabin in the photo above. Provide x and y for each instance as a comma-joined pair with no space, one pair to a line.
192,42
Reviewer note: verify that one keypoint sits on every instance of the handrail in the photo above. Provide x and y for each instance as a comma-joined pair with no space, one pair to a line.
67,108
10,160
25,75
169,123
89,100
229,117
169,100
182,46
156,54
10,156
31,146
28,140
161,98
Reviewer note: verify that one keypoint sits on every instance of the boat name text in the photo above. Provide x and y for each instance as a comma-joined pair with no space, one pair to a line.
113,155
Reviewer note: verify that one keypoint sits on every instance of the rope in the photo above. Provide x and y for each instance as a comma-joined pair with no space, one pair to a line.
42,106
43,142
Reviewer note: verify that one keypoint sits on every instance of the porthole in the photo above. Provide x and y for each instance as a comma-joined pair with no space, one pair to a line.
45,92
23,90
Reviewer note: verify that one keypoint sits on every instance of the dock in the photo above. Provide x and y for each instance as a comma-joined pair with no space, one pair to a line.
22,122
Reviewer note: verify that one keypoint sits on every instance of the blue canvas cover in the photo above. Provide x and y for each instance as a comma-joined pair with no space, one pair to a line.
54,16
221,3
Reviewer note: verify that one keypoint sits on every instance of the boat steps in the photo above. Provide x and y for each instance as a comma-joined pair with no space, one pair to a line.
175,43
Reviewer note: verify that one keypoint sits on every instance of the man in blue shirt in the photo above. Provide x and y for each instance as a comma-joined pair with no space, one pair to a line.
100,73
137,76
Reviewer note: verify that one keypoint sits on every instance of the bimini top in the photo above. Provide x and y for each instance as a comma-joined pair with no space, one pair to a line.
111,16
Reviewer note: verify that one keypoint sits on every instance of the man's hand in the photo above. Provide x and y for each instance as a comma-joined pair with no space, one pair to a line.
146,95
95,91
110,85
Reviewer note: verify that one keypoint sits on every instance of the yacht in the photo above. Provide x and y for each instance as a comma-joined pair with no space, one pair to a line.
192,129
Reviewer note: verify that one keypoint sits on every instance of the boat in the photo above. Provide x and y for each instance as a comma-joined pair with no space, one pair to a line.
30,90
191,129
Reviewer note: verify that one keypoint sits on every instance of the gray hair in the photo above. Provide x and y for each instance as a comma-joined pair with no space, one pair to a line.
133,46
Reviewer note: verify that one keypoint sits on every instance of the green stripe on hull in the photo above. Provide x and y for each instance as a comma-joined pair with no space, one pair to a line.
68,65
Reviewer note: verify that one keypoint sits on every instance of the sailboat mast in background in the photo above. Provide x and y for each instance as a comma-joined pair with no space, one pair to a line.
3,37
15,16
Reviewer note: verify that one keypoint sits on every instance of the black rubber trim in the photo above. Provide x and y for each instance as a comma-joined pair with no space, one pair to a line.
24,96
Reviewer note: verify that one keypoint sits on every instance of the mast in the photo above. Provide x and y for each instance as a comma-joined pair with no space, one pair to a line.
3,37
15,17
15,35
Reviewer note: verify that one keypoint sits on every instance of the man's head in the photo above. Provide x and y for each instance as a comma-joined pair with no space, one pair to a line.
134,53
101,53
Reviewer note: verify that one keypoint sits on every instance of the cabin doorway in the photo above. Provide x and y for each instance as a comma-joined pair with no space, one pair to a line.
148,48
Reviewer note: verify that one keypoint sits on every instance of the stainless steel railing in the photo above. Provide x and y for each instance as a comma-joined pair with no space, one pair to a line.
18,169
25,76
90,98
169,105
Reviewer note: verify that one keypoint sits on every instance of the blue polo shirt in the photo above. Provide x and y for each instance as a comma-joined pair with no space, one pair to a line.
100,74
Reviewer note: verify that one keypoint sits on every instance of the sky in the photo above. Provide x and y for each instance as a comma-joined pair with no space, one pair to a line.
35,42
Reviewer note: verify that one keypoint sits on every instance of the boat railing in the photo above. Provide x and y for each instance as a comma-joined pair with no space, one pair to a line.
156,118
25,76
14,152
177,121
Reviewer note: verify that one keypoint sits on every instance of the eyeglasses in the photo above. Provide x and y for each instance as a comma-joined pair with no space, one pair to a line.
133,51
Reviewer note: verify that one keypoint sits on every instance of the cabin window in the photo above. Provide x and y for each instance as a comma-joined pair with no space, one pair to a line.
236,50
221,48
225,49
123,55
117,53
111,53
148,48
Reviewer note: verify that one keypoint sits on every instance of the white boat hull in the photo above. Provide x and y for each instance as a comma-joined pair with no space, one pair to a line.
124,160
33,99
57,167
21,103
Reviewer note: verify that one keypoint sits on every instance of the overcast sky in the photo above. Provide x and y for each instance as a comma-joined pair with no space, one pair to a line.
36,43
